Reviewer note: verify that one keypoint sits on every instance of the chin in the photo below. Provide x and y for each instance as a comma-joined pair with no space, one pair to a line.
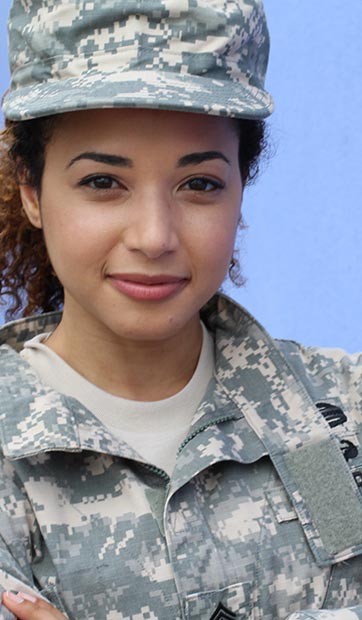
151,331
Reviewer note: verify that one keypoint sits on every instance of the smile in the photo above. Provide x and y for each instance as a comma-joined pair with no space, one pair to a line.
148,288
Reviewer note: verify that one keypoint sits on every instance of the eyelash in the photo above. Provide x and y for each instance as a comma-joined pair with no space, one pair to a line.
215,185
87,182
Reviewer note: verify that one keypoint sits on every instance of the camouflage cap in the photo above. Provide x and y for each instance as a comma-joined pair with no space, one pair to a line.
206,56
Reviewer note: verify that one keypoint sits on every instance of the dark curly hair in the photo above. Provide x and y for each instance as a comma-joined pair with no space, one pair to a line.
28,282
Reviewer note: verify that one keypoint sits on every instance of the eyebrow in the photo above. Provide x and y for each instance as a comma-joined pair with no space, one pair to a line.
103,158
125,162
199,158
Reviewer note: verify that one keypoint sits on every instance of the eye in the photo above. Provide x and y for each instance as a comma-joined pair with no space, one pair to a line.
203,184
100,182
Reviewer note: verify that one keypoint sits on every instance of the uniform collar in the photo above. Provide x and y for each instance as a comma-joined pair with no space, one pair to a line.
258,379
35,419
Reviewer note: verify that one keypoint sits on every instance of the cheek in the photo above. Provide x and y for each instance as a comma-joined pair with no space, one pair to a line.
75,236
213,250
221,252
217,236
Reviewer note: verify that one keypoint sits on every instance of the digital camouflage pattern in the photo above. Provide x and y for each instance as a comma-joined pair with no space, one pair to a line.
207,56
240,531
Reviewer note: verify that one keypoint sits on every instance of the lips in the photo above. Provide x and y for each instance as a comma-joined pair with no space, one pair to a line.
148,287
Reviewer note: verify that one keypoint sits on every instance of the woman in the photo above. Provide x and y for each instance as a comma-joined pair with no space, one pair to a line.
162,456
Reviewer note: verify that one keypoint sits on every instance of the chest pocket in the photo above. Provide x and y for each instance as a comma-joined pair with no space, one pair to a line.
231,603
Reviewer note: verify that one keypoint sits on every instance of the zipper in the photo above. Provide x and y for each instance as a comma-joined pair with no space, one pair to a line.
202,428
155,470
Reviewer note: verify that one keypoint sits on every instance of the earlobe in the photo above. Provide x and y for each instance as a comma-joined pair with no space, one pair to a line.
30,201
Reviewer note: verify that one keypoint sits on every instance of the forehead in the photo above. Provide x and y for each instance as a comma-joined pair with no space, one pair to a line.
144,127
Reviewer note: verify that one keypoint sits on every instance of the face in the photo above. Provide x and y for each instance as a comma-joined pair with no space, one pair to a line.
139,210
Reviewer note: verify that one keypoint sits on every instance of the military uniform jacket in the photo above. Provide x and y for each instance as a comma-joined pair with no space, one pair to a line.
261,519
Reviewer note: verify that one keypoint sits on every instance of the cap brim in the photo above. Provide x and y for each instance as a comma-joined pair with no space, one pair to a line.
140,89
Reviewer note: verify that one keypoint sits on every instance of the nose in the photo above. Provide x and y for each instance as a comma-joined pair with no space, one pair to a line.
152,225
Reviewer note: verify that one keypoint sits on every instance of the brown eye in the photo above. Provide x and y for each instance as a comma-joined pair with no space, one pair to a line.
203,184
100,182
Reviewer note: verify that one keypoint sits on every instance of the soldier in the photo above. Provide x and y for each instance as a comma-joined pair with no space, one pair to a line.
162,457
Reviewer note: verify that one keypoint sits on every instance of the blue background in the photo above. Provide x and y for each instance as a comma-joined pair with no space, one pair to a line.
302,252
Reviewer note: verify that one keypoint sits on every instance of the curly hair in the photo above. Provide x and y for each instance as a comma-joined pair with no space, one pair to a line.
28,283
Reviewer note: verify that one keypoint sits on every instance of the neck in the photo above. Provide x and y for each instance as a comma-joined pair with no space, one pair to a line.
132,369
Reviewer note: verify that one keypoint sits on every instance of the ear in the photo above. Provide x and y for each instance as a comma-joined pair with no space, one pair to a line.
30,200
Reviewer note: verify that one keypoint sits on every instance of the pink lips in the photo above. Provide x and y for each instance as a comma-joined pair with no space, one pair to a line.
149,288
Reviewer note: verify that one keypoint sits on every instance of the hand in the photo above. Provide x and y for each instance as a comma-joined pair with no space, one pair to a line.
26,607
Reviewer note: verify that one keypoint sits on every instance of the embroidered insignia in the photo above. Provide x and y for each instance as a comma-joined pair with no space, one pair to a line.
333,414
350,451
223,613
